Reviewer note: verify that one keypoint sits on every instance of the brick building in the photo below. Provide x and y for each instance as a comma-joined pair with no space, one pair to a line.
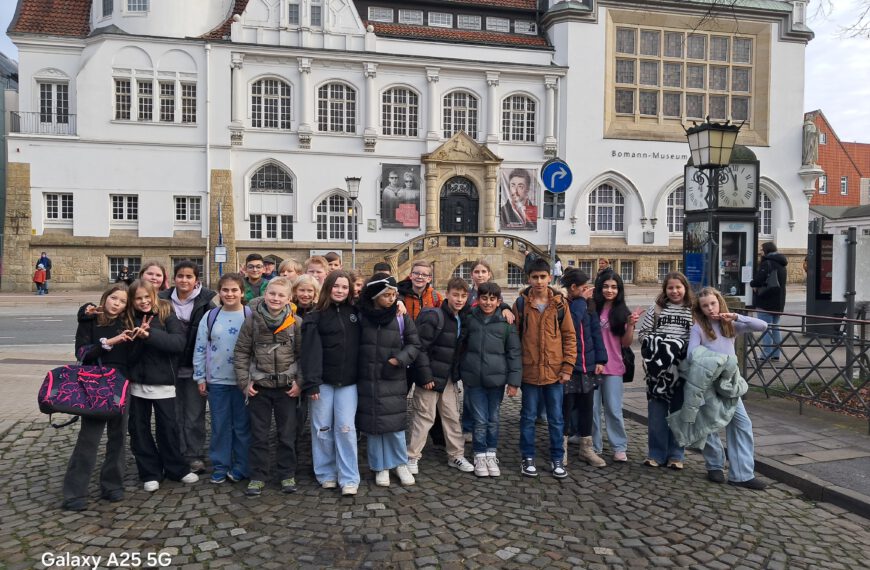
846,181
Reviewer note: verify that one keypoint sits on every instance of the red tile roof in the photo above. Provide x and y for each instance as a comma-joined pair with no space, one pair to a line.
223,30
522,4
455,35
52,18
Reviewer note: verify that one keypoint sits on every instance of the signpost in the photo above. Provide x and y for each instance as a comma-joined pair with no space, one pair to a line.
556,177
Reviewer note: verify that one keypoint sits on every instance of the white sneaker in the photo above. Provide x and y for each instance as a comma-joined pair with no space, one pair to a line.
348,490
382,478
492,464
462,464
329,485
190,478
151,486
480,467
404,474
413,466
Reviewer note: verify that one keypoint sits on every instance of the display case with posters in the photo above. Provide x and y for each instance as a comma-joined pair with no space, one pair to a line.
518,199
400,196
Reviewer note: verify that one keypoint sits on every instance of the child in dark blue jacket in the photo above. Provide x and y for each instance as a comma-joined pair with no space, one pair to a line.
591,358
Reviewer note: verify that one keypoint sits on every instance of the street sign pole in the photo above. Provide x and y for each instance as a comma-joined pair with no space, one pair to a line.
557,178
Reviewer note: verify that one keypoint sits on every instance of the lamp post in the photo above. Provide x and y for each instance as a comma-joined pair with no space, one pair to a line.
711,145
353,192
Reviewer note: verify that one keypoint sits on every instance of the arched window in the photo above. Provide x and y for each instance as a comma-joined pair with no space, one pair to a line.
606,209
765,218
460,114
463,270
400,112
336,108
515,276
518,119
272,179
334,218
676,210
270,104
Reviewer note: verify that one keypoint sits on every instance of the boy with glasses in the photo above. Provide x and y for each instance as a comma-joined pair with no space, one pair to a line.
255,285
416,290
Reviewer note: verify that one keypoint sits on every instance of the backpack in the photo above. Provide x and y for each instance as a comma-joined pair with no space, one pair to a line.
212,316
521,306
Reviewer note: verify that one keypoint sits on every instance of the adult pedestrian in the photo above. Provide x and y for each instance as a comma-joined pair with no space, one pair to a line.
45,261
770,301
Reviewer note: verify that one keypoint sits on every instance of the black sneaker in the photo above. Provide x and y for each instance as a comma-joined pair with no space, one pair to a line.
529,469
114,496
558,469
289,485
716,476
755,484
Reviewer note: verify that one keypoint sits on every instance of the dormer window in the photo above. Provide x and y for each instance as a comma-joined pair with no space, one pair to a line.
498,25
137,5
525,27
377,14
440,20
466,22
413,17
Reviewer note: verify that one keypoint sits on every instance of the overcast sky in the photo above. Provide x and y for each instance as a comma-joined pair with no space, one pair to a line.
838,69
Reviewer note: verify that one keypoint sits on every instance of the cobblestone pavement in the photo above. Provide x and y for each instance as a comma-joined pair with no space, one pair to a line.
620,516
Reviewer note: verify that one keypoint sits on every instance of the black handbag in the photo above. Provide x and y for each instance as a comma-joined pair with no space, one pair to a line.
628,361
771,283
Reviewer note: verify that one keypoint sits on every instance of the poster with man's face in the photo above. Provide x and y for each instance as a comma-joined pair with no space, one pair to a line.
400,196
518,196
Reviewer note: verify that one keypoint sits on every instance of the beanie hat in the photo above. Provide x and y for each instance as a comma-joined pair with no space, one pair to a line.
378,285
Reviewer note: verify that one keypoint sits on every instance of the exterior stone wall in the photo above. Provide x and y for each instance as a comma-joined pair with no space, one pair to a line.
17,264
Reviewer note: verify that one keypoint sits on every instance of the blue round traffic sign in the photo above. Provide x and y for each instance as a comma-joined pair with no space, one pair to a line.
556,176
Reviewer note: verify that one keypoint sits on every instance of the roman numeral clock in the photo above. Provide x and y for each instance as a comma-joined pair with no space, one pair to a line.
722,206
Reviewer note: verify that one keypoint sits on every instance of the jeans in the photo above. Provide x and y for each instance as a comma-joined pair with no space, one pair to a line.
741,448
333,435
771,340
190,415
661,441
423,407
386,450
551,396
84,457
485,404
161,458
230,430
269,402
467,413
610,395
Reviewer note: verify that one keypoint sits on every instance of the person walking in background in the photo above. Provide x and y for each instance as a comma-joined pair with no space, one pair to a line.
45,261
39,280
768,298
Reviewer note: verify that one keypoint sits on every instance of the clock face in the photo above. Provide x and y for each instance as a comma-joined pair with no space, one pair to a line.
696,190
740,190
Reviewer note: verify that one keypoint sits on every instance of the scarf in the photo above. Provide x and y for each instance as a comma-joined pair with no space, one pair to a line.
273,322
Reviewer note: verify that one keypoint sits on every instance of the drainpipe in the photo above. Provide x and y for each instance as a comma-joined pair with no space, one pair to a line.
207,217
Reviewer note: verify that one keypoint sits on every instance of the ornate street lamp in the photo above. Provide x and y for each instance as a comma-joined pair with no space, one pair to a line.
353,192
711,145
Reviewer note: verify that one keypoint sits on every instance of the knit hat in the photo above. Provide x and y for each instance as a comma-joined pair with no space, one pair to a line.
378,285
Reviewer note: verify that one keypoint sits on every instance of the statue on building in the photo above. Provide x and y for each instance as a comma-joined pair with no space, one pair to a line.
811,143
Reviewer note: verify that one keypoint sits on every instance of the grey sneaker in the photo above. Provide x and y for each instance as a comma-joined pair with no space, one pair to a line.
255,488
558,469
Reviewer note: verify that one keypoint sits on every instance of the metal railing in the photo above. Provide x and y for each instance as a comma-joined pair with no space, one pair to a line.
32,123
830,370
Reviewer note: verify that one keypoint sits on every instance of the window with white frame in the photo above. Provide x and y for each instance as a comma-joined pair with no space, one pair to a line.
188,209
58,207
336,108
167,101
823,184
270,104
585,265
525,27
676,210
133,265
145,99
108,7
765,215
413,17
460,114
271,226
518,119
188,102
463,271
498,24
379,14
515,276
125,208
137,5
333,218
123,100
271,179
626,271
400,112
141,98
440,20
316,13
823,138
293,13
467,22
844,185
53,102
663,270
606,209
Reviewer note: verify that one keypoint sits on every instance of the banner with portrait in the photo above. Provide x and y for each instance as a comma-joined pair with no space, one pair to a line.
518,199
400,195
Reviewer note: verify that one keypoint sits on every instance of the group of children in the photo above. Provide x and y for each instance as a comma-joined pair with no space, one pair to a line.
354,350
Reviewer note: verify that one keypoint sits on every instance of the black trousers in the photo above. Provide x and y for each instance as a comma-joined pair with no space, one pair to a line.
190,415
84,458
162,458
269,403
577,410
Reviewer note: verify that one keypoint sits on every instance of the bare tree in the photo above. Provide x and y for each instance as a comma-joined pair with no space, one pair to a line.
860,25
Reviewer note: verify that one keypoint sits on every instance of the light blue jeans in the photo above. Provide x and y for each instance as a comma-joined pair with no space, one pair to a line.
333,435
741,448
387,450
771,340
611,394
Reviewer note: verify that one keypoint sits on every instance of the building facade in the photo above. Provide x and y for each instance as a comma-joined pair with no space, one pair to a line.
158,129
846,166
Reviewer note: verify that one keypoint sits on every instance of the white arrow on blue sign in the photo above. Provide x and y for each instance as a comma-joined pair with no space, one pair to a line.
556,176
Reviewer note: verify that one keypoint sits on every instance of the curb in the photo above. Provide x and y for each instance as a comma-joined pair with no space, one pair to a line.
812,487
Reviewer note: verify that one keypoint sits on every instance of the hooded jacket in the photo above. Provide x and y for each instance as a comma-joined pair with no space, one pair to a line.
202,303
590,345
772,299
158,355
438,349
491,351
415,303
549,344
265,358
330,348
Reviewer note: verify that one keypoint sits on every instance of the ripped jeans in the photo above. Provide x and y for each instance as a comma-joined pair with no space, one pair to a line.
333,435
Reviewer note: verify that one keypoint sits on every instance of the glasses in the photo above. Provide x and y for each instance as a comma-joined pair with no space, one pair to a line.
418,274
255,267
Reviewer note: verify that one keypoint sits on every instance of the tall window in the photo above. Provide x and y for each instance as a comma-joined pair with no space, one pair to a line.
271,226
606,209
133,265
626,271
460,114
663,270
844,185
316,13
125,208
108,7
585,265
518,119
123,100
188,102
515,276
58,207
336,108
823,184
188,208
399,112
333,218
272,179
137,5
145,99
293,13
167,101
54,103
765,215
270,104
676,210
140,98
